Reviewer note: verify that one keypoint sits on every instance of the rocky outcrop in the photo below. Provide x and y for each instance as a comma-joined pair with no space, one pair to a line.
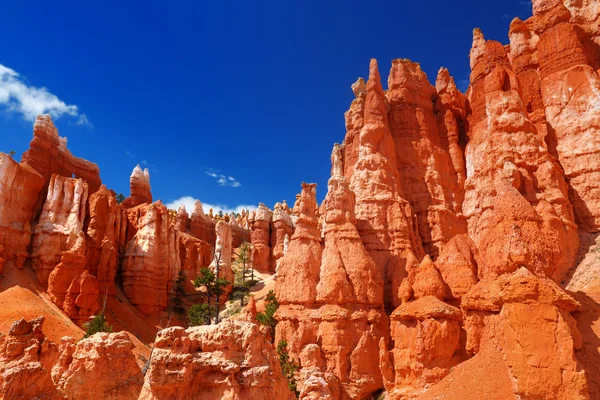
221,263
261,238
195,363
139,184
60,226
147,271
516,199
48,155
426,341
384,218
26,359
101,366
20,188
102,238
281,226
527,318
202,226
331,313
429,178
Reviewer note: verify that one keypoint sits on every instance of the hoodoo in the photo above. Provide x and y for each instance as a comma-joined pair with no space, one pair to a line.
454,256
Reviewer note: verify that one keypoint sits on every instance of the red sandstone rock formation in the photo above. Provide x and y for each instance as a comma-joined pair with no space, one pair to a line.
20,187
100,366
60,226
48,155
147,272
384,218
458,213
281,226
231,360
331,312
261,239
516,199
139,184
430,180
202,226
26,359
102,239
223,251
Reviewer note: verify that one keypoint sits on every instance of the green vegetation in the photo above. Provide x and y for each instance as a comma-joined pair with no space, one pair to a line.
214,287
201,314
97,324
12,153
120,198
267,318
288,366
178,294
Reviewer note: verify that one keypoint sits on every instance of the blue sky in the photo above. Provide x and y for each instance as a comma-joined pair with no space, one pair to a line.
231,102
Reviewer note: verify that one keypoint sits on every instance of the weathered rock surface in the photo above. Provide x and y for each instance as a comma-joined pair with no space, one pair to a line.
48,155
196,363
281,226
384,218
101,366
20,188
60,226
26,359
516,198
331,312
201,226
147,271
102,239
139,184
261,238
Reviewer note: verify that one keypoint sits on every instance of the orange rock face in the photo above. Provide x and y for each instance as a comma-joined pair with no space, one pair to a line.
436,266
516,198
102,364
147,271
102,240
20,188
384,218
331,312
48,155
194,363
60,226
261,238
139,184
26,360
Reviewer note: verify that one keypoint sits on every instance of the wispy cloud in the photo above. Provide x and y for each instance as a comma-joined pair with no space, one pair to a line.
223,180
189,201
148,165
128,153
84,121
30,101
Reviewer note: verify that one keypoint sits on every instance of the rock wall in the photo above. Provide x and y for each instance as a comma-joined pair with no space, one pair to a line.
20,187
139,184
194,363
48,155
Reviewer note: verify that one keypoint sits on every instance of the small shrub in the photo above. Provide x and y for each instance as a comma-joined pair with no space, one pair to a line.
288,366
266,318
201,314
97,324
179,294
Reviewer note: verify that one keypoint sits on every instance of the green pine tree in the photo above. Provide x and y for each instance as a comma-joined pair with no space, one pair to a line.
267,317
97,324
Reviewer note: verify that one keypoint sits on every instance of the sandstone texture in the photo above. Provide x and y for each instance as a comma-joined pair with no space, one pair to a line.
231,360
456,254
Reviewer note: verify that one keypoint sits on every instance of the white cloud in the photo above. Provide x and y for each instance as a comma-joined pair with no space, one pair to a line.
30,101
84,121
189,201
130,154
224,180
